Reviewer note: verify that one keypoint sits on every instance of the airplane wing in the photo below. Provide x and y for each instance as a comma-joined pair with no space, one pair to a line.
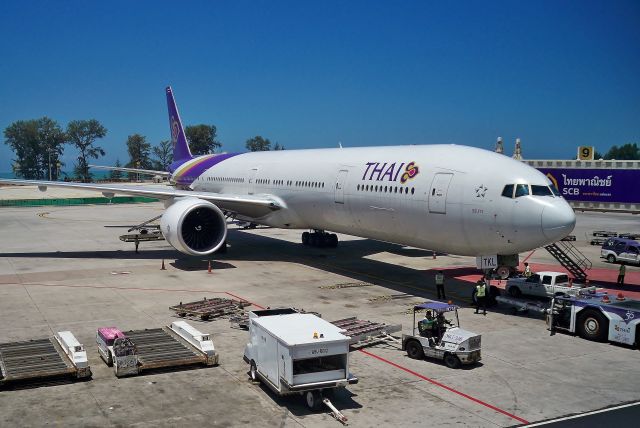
134,170
253,206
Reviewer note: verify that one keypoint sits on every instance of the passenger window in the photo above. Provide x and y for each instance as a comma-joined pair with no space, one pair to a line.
633,250
507,192
546,280
522,190
620,246
540,191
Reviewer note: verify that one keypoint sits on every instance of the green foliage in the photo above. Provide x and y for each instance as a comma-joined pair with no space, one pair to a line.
83,134
202,139
38,144
163,155
139,150
627,152
116,175
258,144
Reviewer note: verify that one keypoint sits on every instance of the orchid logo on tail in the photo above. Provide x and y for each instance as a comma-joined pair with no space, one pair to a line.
410,172
174,131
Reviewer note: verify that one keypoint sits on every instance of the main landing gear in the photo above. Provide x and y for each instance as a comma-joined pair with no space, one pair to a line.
320,238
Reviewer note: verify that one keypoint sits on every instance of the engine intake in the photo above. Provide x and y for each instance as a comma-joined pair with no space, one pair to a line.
194,226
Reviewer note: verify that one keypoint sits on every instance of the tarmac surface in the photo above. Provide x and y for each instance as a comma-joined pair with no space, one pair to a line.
60,269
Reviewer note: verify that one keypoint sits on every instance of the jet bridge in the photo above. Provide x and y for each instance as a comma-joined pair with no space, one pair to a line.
40,359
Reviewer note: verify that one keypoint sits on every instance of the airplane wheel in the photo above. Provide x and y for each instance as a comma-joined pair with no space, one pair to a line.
503,272
305,238
333,240
313,239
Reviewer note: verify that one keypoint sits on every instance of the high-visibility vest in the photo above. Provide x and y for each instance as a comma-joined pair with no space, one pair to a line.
439,279
481,290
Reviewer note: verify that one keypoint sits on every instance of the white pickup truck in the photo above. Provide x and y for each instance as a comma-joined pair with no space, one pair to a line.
544,284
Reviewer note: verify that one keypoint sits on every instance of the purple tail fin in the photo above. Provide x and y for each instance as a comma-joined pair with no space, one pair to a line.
181,150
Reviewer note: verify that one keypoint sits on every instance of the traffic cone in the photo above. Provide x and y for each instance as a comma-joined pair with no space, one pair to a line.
209,270
163,268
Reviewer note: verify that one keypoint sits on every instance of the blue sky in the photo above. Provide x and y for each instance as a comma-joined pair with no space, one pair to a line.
557,74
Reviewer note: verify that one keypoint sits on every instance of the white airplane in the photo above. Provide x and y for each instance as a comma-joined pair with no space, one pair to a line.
446,198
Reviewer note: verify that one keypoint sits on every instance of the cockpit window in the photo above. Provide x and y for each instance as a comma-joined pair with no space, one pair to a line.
554,190
508,191
522,190
540,190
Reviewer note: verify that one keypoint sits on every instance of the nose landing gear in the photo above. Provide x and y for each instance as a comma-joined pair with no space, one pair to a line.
320,238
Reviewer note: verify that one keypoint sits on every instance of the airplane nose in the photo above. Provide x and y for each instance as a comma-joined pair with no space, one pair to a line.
558,221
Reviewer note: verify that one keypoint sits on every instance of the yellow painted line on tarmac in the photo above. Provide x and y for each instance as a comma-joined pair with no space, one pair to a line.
402,284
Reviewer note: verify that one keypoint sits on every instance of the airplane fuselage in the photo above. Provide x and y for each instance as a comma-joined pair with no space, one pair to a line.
441,197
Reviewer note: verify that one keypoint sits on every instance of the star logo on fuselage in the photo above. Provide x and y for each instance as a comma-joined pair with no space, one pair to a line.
481,191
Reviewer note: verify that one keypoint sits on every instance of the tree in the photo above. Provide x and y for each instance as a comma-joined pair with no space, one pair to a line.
116,175
202,139
258,144
163,155
38,144
138,149
277,146
83,134
627,152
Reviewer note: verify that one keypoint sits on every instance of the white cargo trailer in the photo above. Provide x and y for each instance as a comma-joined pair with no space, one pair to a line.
297,353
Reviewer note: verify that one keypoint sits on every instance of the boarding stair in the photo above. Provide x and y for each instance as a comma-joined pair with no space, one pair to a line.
570,258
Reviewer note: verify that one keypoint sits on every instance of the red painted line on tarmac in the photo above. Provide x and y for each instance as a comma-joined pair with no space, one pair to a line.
242,298
134,289
448,388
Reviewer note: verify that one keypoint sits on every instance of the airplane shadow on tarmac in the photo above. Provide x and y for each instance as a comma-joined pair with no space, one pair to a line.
350,259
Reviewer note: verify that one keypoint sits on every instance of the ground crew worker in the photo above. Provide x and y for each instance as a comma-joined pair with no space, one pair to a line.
426,325
442,323
621,272
440,285
527,270
481,294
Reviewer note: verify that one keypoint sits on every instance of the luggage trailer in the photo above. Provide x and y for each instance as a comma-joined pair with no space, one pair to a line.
135,351
40,359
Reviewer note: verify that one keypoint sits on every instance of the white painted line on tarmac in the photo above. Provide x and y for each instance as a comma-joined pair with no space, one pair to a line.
581,415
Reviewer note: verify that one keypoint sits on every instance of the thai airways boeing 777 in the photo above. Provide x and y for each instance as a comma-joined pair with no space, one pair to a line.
447,198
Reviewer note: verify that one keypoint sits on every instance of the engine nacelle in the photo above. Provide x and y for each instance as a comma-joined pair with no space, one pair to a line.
194,226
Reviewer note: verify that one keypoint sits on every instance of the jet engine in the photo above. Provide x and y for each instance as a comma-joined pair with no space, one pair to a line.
194,226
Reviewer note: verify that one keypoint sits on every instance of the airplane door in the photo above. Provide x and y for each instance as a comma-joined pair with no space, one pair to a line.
253,173
438,193
341,179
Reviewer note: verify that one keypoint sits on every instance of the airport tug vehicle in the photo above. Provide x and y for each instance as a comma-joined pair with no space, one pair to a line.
447,341
297,353
596,317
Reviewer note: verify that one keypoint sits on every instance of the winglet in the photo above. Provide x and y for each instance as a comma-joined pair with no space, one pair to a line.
181,150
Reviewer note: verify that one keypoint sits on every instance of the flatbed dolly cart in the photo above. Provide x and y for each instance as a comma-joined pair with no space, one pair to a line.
364,332
206,309
136,351
40,359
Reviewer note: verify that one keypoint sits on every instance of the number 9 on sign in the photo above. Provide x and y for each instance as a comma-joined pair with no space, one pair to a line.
585,153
